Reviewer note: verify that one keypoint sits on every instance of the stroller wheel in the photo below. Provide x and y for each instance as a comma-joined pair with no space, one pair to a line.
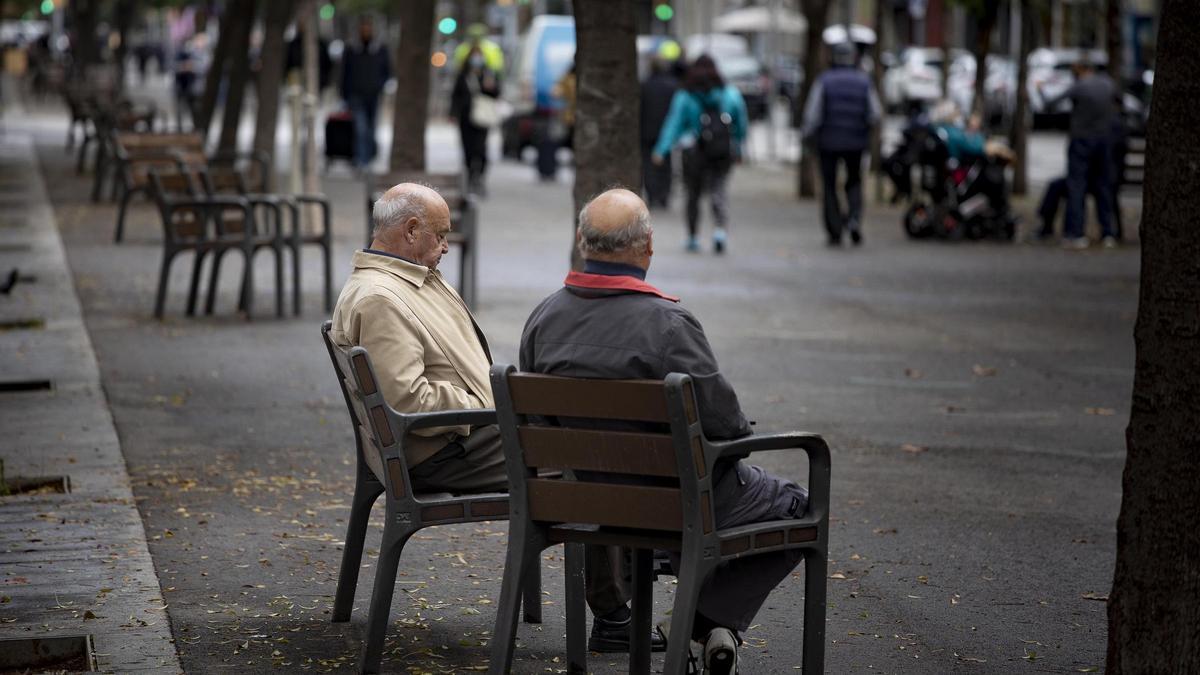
918,221
975,228
949,225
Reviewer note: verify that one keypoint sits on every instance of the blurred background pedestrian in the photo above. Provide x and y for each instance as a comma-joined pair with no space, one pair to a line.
366,67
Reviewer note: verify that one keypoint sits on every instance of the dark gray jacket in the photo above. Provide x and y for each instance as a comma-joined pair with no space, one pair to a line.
629,334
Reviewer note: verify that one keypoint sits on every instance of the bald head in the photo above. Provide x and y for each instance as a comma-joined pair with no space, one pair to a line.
412,221
615,227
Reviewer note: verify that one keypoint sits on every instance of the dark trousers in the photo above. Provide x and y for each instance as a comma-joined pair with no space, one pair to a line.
656,179
474,146
700,176
364,110
1089,169
835,222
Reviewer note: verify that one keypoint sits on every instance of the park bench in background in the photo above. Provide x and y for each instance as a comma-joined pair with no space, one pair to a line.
192,222
665,501
379,433
463,218
137,153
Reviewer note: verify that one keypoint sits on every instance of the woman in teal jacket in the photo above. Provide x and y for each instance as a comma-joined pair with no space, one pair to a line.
708,120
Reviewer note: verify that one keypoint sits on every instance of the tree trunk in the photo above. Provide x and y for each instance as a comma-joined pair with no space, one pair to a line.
216,67
1019,137
606,113
987,19
85,51
877,83
411,108
1114,40
1154,606
815,12
239,72
270,79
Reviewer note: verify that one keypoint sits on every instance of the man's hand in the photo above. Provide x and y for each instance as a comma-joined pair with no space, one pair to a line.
656,159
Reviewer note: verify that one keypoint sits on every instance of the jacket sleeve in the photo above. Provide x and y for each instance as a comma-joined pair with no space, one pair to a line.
688,351
392,338
672,126
812,111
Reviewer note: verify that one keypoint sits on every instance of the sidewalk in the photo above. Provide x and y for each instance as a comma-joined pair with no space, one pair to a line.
74,563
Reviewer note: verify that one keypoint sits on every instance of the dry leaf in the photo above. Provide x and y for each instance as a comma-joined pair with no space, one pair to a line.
913,449
1103,412
983,371
912,373
1094,596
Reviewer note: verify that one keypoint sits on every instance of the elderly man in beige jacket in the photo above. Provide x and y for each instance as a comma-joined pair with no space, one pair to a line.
428,352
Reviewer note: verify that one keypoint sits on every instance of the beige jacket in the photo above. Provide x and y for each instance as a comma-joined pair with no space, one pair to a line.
427,350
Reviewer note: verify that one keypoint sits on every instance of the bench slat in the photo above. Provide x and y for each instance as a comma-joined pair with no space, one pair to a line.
607,451
611,505
633,400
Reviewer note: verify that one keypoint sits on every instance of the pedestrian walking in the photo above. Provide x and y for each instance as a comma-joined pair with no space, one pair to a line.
841,109
657,91
473,103
707,119
191,67
1089,152
365,69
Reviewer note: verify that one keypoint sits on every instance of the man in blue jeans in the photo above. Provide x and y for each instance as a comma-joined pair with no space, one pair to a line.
366,67
1089,153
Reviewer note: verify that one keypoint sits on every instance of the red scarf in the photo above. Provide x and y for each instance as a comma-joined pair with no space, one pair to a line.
604,282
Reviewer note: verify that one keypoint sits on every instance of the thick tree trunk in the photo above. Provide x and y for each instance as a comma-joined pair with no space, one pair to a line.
239,73
1154,607
124,14
411,108
270,79
1019,136
216,67
815,12
85,50
1114,40
606,112
987,19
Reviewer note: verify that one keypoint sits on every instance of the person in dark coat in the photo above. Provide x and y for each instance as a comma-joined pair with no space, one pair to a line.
657,92
841,109
366,67
608,323
474,79
294,59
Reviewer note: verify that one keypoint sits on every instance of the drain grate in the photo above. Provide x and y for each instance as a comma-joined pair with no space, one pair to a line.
17,386
63,654
22,324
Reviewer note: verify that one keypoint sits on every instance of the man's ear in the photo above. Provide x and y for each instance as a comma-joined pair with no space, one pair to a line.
578,236
410,228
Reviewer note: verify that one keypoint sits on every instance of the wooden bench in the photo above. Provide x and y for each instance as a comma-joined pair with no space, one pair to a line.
664,502
463,218
137,153
382,469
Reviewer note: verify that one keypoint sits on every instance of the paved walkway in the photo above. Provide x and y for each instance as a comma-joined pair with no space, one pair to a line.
73,563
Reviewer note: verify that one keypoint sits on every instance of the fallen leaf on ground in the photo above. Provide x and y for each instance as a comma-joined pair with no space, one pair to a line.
1094,596
913,449
983,371
1103,412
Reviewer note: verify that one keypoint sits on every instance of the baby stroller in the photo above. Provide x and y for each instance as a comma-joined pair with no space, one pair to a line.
957,199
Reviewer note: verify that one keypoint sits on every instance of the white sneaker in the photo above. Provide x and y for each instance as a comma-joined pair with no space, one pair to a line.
1076,243
1109,242
720,652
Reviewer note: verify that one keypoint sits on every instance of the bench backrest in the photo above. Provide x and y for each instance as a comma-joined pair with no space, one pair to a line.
451,186
178,223
140,152
373,429
633,451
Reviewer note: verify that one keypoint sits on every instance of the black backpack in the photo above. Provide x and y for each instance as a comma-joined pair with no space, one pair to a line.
716,136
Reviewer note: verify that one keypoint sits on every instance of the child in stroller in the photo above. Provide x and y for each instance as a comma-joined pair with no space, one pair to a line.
962,183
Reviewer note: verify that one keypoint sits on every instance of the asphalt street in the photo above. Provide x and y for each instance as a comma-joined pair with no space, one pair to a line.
974,395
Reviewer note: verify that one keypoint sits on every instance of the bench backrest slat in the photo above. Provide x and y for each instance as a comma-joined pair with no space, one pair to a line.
633,400
646,454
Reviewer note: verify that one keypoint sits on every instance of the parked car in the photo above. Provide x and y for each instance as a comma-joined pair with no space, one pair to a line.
544,55
915,80
751,79
999,87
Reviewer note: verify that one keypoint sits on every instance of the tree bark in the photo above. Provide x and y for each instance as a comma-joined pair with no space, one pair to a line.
1114,40
123,13
270,79
815,12
239,73
85,50
216,67
1019,135
411,107
1154,606
606,112
988,16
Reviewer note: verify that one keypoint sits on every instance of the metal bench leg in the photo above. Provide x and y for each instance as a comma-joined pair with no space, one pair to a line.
126,195
643,606
366,491
576,614
531,594
160,299
524,549
683,614
246,301
279,303
210,298
194,288
815,565
394,539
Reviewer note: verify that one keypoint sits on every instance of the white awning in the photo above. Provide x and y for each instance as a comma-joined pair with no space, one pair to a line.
860,34
760,20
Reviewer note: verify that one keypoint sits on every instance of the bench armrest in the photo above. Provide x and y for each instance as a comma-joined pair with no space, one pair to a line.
449,418
812,444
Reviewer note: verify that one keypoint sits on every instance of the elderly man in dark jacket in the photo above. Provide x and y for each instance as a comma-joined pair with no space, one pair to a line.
608,323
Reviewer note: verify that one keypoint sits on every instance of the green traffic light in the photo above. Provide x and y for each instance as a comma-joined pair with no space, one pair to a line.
327,12
447,26
664,12
47,7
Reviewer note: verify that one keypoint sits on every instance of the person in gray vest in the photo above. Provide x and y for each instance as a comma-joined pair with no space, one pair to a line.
841,109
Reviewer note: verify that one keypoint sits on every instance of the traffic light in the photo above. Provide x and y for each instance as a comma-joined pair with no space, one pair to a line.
663,12
447,26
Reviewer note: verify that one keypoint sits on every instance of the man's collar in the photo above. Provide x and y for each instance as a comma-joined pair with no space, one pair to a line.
405,269
602,282
613,269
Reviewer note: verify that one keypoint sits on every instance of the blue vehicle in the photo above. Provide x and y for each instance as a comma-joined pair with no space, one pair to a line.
545,54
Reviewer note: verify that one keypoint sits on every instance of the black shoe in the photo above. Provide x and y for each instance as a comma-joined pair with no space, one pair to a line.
855,237
613,636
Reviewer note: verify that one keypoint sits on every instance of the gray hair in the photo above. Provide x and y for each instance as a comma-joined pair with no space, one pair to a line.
632,234
395,210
